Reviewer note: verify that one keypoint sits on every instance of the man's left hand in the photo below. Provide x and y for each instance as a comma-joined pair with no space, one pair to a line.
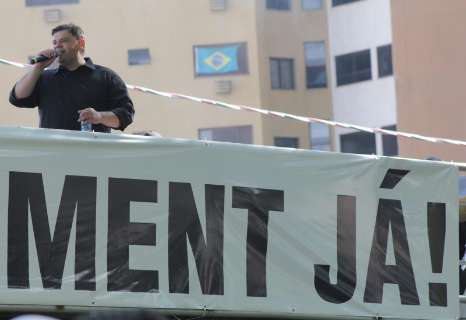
90,115
107,118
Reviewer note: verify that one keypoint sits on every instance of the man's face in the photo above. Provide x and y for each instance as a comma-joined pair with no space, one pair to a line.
68,46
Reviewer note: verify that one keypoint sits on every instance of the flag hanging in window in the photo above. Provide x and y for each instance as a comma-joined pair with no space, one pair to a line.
220,59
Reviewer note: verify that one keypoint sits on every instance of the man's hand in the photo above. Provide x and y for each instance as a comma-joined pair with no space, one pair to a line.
106,118
25,86
90,115
44,64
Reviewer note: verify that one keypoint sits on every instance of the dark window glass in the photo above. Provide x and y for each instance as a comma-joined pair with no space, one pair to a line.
353,67
31,3
286,142
220,59
278,4
275,73
241,134
340,2
384,60
282,73
316,74
389,142
316,77
138,56
358,142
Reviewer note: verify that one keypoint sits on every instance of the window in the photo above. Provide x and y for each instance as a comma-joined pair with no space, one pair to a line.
462,186
316,75
353,67
319,136
358,142
286,142
282,73
340,2
53,15
389,142
31,3
218,5
311,4
278,4
240,134
384,60
138,57
220,59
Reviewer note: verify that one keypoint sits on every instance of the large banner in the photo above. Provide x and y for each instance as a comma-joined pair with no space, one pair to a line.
119,221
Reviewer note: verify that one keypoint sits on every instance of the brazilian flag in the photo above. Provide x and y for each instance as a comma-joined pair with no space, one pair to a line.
217,60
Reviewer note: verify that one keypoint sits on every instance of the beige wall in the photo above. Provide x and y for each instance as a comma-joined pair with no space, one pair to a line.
429,61
170,28
281,34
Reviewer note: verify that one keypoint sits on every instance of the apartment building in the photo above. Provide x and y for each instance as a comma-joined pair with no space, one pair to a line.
429,63
264,53
363,88
420,91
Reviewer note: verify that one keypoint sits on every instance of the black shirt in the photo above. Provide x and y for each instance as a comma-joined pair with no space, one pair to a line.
60,93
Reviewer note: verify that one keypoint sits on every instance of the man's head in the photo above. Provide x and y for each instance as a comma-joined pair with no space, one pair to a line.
69,40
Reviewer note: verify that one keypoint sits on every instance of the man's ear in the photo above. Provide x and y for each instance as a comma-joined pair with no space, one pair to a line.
82,43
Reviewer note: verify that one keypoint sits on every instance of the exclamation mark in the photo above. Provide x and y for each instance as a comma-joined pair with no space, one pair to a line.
436,228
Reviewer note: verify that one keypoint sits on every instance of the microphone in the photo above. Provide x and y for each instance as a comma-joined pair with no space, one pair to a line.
41,57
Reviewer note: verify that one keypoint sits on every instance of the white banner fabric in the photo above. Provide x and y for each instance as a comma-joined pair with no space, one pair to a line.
126,221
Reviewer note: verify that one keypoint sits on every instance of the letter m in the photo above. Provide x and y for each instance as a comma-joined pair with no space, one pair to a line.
26,194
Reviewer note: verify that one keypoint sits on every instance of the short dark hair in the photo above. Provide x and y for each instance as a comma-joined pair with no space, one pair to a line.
75,30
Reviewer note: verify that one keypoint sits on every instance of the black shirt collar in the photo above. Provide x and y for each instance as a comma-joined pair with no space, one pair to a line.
88,65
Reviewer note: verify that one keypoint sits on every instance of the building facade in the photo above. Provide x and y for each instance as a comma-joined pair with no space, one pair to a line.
363,88
429,62
330,59
419,90
255,53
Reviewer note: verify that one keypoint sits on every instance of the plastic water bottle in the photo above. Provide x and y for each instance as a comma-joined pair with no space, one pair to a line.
86,126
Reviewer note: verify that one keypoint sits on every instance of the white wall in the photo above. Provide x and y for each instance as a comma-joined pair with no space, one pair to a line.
361,25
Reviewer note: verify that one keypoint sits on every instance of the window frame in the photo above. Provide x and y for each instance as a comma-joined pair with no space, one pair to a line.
295,145
313,9
280,78
132,61
355,76
275,5
248,134
380,53
370,137
314,137
307,67
389,140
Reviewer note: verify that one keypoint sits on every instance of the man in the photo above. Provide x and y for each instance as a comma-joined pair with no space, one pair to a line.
78,90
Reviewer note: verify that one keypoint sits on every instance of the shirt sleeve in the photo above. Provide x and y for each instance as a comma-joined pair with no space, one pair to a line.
120,102
28,102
